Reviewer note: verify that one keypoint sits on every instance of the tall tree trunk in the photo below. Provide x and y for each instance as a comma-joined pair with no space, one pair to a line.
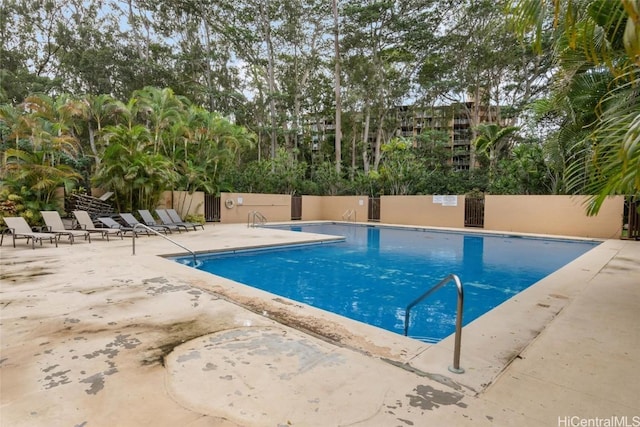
376,153
207,71
365,141
475,121
353,152
266,28
338,121
92,143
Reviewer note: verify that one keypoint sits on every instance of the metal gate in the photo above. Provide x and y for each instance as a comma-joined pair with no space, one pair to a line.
474,211
633,216
296,208
374,209
211,208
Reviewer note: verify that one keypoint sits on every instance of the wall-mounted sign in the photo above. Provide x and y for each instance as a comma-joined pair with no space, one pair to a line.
446,200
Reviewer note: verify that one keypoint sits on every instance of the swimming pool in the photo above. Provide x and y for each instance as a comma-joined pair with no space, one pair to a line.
376,272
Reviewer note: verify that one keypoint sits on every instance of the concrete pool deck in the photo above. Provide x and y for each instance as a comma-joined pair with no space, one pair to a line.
93,336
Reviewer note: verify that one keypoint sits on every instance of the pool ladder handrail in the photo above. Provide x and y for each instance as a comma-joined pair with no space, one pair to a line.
255,216
455,368
348,214
140,225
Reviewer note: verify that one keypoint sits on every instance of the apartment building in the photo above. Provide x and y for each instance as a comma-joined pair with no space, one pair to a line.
458,121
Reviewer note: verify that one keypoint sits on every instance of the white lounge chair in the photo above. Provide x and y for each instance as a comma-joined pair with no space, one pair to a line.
20,229
54,224
85,223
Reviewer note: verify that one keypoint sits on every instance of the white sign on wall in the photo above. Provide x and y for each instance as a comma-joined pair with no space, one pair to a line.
450,201
446,200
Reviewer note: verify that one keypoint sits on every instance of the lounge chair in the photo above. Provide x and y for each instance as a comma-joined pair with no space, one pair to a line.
166,220
175,219
85,223
54,224
132,222
109,222
148,219
19,229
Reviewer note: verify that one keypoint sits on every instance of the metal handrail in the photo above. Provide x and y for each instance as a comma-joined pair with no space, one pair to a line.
161,235
348,213
458,338
252,216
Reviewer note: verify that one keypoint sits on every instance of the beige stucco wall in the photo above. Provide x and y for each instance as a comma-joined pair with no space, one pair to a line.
557,215
166,200
275,207
312,208
183,202
335,207
422,210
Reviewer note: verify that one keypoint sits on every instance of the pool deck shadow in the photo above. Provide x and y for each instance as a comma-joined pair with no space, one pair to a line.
93,336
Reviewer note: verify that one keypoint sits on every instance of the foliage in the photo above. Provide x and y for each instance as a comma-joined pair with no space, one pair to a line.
524,173
594,99
154,142
495,141
21,202
195,218
238,95
401,169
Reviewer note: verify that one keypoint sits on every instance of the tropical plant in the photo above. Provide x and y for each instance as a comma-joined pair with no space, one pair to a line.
400,170
494,141
597,52
132,170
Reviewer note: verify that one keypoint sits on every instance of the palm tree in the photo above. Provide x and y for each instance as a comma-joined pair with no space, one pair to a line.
129,168
161,108
597,46
99,109
17,121
36,172
43,131
494,140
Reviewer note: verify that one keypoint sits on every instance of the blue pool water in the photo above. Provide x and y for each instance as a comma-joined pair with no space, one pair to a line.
377,271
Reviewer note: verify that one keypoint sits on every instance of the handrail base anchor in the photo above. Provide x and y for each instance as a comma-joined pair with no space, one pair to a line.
456,370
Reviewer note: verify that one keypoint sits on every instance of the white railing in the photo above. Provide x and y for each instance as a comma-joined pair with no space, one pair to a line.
140,225
458,338
255,217
348,214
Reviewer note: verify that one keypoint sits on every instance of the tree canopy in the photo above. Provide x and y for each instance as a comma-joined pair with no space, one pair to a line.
307,96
